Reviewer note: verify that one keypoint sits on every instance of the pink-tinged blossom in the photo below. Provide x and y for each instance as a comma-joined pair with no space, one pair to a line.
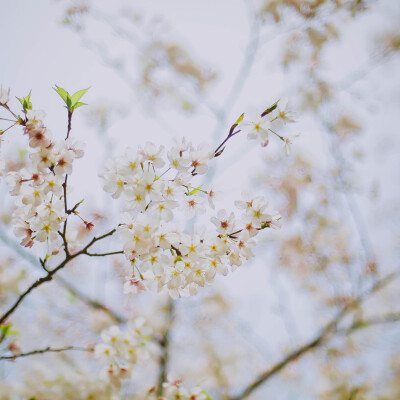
212,195
64,160
15,180
43,159
225,223
247,200
199,159
192,205
40,137
23,229
133,285
76,146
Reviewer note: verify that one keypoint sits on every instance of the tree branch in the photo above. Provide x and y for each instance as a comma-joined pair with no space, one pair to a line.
165,348
65,284
50,274
45,350
324,335
104,254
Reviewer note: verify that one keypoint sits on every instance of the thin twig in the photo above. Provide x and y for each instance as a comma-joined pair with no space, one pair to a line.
9,109
45,350
69,124
50,273
104,254
72,289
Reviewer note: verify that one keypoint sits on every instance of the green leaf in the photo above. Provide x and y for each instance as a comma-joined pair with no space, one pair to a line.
207,395
26,103
270,109
62,92
72,102
194,191
79,105
77,96
4,330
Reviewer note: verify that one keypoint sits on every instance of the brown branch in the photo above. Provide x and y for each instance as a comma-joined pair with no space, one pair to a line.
324,335
372,321
45,350
65,284
69,124
104,254
50,273
9,109
165,349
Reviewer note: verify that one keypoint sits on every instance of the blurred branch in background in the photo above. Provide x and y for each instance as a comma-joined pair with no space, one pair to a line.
327,333
16,247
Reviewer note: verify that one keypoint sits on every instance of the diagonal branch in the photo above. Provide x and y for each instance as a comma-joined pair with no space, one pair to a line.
68,286
51,273
324,335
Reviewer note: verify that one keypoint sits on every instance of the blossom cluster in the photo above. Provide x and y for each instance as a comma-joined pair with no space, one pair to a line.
158,190
39,187
122,350
173,389
258,125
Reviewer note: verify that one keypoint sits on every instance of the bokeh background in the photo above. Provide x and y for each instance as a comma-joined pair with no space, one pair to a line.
164,69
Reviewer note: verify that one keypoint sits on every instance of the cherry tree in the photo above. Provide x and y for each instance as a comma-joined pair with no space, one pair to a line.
168,234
